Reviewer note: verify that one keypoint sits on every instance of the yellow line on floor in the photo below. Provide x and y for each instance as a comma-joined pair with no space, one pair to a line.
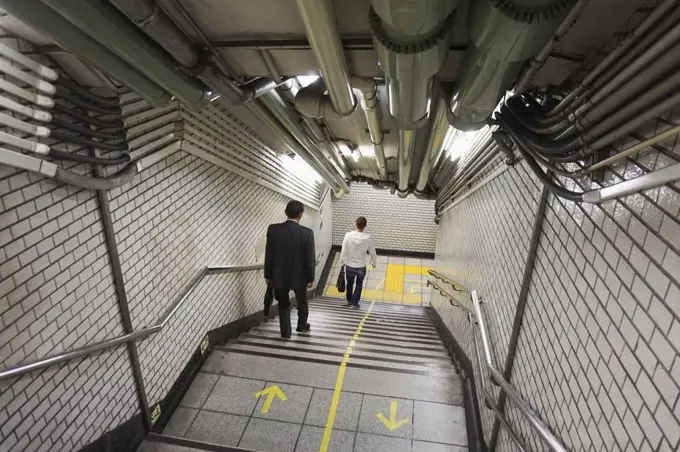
335,400
394,281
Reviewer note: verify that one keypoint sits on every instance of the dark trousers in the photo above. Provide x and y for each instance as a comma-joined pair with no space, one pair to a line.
353,293
268,299
282,296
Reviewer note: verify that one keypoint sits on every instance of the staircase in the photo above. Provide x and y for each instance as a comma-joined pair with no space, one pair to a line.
374,379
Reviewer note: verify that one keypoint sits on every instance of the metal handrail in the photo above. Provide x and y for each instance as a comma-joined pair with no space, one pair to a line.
448,280
31,366
444,293
529,414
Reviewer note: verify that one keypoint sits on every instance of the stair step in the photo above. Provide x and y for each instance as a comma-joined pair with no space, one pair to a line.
385,326
340,349
367,331
420,314
335,360
364,335
348,312
344,338
343,343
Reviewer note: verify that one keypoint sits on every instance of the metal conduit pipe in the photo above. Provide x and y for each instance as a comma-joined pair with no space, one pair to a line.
412,40
406,154
53,26
503,35
477,150
623,47
301,145
313,102
324,40
454,182
435,146
645,64
155,23
104,23
529,71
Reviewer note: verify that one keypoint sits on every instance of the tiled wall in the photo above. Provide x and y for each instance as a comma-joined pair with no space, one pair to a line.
191,209
395,223
598,349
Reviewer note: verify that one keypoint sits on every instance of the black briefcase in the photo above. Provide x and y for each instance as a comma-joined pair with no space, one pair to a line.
340,284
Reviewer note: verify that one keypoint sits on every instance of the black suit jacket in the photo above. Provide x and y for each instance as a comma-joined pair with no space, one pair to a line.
289,261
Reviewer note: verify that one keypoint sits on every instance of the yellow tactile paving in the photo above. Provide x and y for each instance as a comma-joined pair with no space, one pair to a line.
392,282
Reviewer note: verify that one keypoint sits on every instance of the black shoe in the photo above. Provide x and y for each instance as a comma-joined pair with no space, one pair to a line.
355,306
349,303
304,329
285,337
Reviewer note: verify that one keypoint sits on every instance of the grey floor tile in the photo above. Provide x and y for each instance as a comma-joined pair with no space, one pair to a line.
405,386
293,409
311,437
374,408
219,428
422,446
180,421
234,395
347,414
272,369
366,442
413,261
440,423
199,390
150,446
265,435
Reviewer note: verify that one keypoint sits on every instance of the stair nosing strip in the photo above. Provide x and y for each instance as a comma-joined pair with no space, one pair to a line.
349,364
309,340
424,331
339,353
346,340
364,334
375,329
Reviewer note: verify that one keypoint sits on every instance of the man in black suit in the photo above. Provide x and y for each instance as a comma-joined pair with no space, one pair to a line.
289,264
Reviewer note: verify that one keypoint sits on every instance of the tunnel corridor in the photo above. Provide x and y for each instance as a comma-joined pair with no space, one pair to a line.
518,166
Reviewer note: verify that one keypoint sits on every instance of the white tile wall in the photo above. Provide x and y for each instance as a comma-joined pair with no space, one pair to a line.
598,354
56,285
395,223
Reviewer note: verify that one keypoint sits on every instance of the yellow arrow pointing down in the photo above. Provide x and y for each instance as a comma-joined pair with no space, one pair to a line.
392,423
271,392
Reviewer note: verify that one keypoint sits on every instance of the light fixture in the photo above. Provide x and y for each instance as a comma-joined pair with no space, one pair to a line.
306,80
462,142
300,168
356,155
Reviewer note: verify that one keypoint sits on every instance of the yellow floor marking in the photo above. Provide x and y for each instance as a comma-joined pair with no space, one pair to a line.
425,270
394,281
332,412
271,392
372,295
393,297
413,269
412,298
380,284
392,423
332,291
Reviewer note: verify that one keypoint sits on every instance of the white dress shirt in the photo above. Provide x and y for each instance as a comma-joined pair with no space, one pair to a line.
354,248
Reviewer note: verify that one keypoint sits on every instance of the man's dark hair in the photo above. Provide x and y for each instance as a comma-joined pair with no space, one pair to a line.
294,209
361,223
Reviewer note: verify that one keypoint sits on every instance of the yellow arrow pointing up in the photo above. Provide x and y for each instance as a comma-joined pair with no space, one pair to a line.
271,392
392,423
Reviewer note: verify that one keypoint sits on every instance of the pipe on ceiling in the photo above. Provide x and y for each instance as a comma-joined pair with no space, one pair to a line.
48,23
503,35
297,140
104,23
312,101
411,38
435,146
322,33
155,23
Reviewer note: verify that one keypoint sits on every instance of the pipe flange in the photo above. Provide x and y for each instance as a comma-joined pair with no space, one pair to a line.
380,34
533,16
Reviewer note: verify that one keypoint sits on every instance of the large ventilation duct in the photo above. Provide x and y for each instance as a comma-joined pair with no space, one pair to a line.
412,40
503,34
53,26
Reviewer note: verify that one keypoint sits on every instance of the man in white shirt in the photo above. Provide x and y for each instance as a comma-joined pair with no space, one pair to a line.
353,256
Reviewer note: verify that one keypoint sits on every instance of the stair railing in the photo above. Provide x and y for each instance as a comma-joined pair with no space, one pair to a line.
24,368
485,360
